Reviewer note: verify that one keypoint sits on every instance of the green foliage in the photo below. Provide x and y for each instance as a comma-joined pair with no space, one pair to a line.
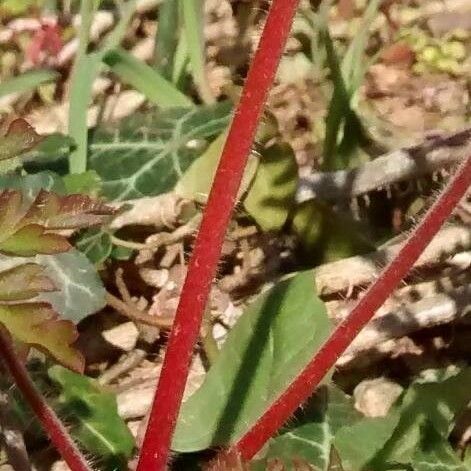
86,67
145,79
88,183
95,244
93,416
167,37
311,435
197,180
427,409
272,193
265,350
27,81
20,138
193,24
325,235
153,150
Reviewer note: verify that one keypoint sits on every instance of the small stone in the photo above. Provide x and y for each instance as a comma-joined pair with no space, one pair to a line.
123,336
374,397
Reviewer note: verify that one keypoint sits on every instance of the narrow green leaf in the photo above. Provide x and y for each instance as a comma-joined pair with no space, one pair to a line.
193,23
27,81
93,416
272,193
166,41
145,79
152,151
85,70
353,64
281,330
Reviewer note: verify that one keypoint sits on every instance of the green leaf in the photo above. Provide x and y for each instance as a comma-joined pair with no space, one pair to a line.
95,244
375,443
145,79
193,24
271,195
88,183
198,178
270,344
80,291
86,68
20,138
153,151
436,402
435,453
358,444
27,81
31,185
93,416
312,440
167,37
37,324
321,232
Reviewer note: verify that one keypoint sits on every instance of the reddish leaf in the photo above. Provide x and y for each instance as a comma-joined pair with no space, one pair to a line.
24,282
29,231
67,212
37,325
20,138
32,240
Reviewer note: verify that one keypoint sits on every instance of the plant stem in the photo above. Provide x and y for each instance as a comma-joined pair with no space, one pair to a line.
203,263
49,420
302,387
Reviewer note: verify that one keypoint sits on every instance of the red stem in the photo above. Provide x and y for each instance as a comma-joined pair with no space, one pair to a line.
303,386
203,263
49,420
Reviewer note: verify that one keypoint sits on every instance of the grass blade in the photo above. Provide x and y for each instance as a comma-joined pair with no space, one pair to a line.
193,23
83,75
27,81
166,41
85,69
144,79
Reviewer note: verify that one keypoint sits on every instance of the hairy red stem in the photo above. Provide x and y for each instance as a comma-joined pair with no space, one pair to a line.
51,423
303,386
203,263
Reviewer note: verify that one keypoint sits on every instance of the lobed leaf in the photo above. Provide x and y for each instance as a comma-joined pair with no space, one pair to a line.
94,418
37,324
26,231
79,290
273,340
152,151
435,453
375,443
20,138
24,282
311,436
